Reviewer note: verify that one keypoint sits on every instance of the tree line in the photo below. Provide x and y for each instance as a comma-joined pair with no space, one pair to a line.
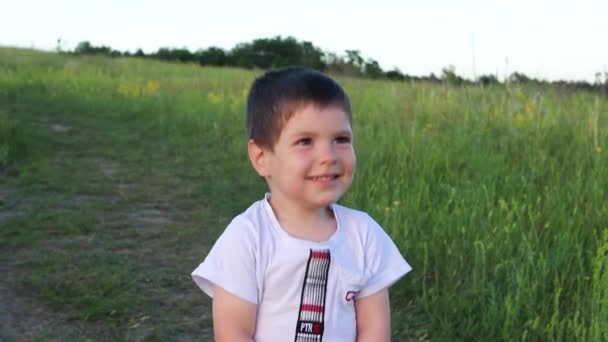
276,52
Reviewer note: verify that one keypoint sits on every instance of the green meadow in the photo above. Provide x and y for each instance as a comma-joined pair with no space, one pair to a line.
117,175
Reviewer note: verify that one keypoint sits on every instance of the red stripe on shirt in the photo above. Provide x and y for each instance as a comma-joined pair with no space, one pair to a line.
320,255
311,307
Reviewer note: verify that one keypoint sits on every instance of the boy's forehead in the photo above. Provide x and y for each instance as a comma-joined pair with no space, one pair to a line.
314,117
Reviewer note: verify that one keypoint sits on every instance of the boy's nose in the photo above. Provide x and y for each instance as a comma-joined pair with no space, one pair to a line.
328,154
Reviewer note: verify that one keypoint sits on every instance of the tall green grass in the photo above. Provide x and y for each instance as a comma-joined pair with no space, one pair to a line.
497,196
9,140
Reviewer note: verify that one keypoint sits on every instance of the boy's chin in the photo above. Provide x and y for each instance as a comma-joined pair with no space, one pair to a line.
327,200
318,200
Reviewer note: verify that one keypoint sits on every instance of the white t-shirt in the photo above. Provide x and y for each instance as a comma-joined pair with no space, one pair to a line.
301,287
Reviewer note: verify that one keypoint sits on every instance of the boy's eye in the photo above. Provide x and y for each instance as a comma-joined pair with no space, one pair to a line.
343,139
304,141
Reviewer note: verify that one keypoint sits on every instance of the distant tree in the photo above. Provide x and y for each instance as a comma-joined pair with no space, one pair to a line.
487,79
395,74
518,77
330,57
86,48
213,56
277,52
243,56
163,54
335,64
312,56
83,47
432,78
354,58
448,75
574,85
353,64
175,55
372,69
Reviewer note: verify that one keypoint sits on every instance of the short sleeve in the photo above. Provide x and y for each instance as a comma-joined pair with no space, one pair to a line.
231,263
384,264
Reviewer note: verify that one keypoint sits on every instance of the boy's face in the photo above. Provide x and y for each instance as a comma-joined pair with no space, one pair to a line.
313,161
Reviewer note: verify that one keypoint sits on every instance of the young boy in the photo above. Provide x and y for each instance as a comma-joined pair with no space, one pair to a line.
296,266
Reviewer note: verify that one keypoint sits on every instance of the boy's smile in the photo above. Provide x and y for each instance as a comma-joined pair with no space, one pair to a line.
313,161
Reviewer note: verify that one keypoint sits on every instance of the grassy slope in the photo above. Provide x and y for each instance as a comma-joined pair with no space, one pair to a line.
105,219
122,172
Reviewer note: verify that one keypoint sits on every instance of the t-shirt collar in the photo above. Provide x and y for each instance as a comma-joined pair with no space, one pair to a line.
277,226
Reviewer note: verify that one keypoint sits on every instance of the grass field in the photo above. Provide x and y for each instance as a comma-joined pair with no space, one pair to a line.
117,175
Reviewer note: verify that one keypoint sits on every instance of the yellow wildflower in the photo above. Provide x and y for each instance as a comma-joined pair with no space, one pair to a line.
214,98
152,87
129,90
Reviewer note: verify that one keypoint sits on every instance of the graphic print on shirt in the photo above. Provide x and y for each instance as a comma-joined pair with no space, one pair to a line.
311,316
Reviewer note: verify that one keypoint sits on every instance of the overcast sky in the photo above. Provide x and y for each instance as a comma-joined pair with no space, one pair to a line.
551,39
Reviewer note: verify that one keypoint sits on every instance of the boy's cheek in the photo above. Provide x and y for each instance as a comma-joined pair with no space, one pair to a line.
353,160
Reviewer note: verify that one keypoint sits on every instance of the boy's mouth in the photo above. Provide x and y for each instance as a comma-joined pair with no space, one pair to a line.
324,178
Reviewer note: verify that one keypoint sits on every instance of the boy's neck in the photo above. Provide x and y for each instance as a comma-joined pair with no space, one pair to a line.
314,224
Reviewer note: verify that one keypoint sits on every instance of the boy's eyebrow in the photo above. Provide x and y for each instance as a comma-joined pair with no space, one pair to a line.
345,132
313,134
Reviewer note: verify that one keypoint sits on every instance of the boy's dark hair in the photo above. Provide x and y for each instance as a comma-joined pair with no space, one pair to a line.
275,96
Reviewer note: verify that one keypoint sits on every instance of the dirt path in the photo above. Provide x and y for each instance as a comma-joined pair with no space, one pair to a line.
12,327
24,319
102,200
10,324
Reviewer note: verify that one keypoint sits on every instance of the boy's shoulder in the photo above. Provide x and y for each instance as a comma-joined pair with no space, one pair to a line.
245,229
356,221
351,212
254,222
251,217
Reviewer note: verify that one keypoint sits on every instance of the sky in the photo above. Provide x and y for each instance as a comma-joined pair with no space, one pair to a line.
546,39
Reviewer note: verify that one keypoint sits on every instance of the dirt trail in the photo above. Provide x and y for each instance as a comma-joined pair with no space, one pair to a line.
146,211
10,327
10,324
24,319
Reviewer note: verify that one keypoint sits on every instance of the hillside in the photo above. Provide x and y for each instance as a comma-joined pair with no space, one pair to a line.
117,175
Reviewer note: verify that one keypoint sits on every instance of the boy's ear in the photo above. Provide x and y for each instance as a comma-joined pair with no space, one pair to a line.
257,156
